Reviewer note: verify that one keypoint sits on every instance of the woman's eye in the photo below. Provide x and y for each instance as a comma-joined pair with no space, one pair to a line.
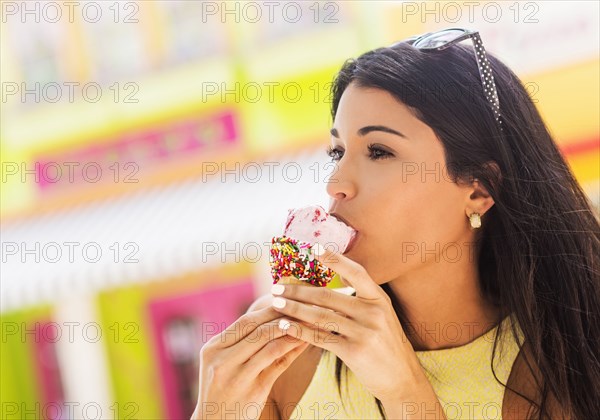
335,153
375,153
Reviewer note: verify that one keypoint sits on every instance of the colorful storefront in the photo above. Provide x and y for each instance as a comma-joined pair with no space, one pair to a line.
152,206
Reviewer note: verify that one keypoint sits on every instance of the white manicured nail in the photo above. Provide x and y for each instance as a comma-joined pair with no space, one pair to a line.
277,289
318,249
279,302
284,324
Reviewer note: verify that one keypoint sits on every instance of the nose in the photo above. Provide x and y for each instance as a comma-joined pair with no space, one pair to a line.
340,185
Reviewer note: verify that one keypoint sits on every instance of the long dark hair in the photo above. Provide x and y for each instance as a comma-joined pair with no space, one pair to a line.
539,245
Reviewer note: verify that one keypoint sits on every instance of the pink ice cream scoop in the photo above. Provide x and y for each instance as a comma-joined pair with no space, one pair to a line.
291,258
313,224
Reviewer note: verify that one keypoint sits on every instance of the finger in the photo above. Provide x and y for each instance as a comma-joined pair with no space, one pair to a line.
313,315
254,342
277,367
243,327
270,354
326,336
352,272
320,296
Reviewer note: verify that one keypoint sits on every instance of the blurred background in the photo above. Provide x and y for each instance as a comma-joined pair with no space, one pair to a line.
151,149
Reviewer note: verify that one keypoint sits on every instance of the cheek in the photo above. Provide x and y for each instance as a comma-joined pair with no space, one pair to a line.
404,217
390,221
444,218
406,210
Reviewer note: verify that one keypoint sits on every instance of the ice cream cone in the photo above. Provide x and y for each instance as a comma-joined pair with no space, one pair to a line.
292,258
293,261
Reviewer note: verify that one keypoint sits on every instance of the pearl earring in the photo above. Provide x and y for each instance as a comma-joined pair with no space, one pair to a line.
475,220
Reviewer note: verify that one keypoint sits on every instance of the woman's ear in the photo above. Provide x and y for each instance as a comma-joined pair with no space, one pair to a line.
479,199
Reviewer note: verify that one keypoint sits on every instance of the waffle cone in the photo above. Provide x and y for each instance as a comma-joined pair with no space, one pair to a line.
293,280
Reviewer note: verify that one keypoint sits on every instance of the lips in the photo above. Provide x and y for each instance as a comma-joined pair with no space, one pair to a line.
341,219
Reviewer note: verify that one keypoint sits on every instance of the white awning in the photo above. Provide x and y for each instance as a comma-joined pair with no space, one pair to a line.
170,231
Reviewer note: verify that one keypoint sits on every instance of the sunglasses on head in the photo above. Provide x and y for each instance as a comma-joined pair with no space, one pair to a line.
440,40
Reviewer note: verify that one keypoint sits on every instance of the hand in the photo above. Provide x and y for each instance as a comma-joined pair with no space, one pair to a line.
367,335
239,366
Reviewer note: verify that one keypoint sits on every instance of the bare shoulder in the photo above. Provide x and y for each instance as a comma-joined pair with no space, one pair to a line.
524,378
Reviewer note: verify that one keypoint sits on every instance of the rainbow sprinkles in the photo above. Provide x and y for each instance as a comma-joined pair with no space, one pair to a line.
290,257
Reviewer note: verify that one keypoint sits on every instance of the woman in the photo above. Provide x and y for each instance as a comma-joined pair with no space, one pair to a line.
475,270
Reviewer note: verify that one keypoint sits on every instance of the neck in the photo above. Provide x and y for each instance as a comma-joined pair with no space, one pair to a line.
444,305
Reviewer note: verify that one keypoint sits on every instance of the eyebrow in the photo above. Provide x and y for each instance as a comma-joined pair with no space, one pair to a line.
370,128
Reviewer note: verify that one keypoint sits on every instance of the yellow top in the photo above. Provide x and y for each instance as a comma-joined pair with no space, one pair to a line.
461,377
